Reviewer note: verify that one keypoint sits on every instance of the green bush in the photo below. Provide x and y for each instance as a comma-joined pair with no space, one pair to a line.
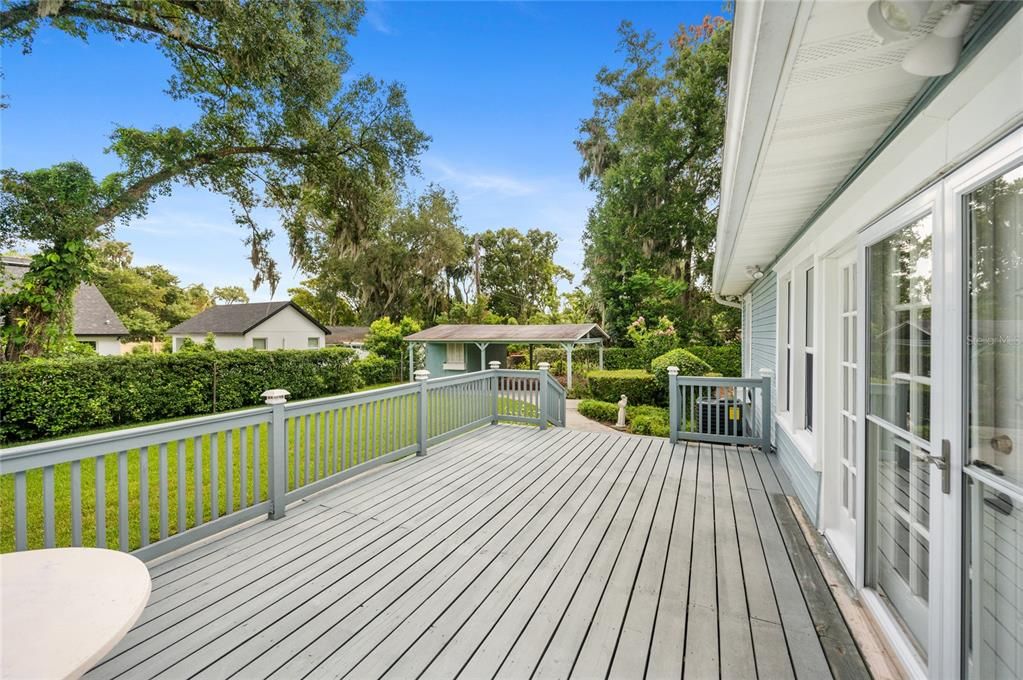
635,384
687,362
723,359
375,370
603,411
652,425
46,398
587,358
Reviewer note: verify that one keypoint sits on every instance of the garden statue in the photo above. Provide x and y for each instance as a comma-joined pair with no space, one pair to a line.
622,403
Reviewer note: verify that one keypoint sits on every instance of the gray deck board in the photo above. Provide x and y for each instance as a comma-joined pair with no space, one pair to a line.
507,552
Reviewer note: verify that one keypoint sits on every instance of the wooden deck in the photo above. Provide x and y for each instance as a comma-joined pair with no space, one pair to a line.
509,552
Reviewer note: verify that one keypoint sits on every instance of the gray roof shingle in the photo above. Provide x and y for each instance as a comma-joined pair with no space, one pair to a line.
237,319
93,314
342,334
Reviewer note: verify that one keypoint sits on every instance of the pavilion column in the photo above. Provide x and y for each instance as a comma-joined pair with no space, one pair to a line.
411,362
483,354
568,362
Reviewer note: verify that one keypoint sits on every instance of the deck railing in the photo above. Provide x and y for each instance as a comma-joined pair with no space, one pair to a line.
156,488
725,410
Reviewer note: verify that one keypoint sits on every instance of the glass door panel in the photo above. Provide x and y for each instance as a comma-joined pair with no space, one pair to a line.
898,422
994,229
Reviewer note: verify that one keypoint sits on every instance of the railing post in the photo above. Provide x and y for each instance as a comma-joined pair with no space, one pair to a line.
422,428
494,365
673,414
765,413
277,439
544,392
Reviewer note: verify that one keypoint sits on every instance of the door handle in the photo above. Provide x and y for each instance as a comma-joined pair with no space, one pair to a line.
942,462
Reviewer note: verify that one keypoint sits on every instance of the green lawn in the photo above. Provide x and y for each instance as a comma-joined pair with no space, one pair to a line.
363,434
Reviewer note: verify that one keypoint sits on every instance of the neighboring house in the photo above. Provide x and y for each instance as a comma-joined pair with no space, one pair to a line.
349,336
254,325
871,229
456,348
95,322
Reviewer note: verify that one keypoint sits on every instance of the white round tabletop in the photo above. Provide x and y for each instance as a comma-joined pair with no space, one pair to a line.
63,609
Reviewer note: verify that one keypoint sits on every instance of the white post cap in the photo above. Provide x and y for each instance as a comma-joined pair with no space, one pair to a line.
422,374
766,373
544,365
276,396
672,370
494,365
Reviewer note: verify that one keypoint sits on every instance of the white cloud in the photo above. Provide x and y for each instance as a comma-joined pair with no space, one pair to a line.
505,185
376,16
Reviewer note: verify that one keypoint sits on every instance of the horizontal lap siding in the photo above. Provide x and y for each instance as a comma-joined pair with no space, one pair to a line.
763,333
763,352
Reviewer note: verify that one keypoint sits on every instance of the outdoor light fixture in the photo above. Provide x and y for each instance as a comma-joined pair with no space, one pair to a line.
895,19
938,53
754,272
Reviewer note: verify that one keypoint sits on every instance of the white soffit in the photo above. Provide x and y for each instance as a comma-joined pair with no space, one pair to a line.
839,91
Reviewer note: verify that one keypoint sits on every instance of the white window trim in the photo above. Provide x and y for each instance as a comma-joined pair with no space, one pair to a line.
450,365
265,347
782,408
311,340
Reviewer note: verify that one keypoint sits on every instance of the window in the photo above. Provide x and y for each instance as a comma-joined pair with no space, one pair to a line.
455,357
313,343
258,343
808,351
88,343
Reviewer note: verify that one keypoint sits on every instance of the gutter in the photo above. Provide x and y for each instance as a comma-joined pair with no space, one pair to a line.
725,301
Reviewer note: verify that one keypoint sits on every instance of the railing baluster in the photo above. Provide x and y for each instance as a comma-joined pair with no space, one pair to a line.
182,507
257,448
214,475
20,512
100,490
294,449
305,435
243,464
228,472
49,507
144,495
163,491
76,503
122,501
197,473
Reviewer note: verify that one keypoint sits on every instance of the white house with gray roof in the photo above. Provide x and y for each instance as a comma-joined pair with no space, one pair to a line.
255,325
95,322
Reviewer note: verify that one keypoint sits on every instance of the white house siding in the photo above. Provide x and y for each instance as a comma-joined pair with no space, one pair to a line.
763,341
287,329
106,345
223,341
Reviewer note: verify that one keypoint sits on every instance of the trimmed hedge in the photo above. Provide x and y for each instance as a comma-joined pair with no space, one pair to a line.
643,419
687,362
615,358
47,398
723,359
376,370
603,411
635,384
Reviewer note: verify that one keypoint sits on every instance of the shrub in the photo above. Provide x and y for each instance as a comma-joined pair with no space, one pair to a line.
652,425
387,338
723,359
46,398
635,384
687,362
652,341
587,358
604,411
376,370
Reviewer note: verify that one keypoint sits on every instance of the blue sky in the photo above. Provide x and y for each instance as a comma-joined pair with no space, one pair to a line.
500,87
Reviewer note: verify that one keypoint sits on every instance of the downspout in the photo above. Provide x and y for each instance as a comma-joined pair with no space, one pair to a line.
726,302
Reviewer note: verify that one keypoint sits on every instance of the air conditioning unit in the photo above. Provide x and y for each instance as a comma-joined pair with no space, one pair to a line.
721,416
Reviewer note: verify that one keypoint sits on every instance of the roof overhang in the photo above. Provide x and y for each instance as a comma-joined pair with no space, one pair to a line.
813,96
